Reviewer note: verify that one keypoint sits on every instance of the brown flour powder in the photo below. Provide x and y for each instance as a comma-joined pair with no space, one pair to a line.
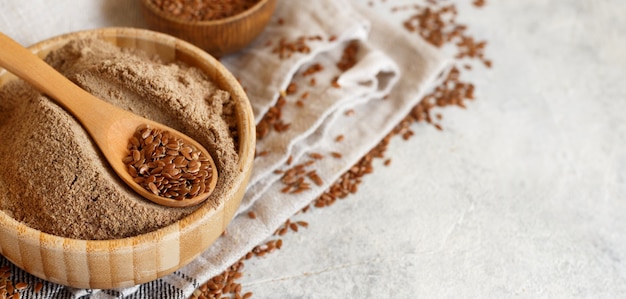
55,179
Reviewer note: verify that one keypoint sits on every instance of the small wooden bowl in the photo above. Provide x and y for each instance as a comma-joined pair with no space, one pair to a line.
105,264
218,37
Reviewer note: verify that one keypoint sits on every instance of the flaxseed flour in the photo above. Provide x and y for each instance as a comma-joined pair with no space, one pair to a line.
55,179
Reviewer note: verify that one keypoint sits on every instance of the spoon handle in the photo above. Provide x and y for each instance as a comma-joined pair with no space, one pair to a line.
90,111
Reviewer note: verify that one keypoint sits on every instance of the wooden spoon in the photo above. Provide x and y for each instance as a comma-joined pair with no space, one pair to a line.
109,126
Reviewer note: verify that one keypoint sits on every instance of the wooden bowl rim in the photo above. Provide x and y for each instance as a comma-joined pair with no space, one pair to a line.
246,13
245,151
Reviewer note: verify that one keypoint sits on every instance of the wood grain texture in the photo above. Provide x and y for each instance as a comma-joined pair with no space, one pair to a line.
218,37
130,261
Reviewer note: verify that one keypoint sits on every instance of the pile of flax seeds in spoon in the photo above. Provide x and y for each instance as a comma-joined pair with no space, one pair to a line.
435,22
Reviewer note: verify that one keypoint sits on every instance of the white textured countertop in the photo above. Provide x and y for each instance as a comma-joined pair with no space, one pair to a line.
522,195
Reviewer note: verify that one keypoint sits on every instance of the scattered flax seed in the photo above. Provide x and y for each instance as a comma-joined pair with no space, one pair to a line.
349,56
285,49
452,91
312,82
295,178
224,285
38,287
387,162
281,126
269,247
303,224
289,160
339,138
286,189
314,68
21,286
279,243
437,25
304,95
332,38
7,288
291,88
316,156
252,215
335,82
302,186
262,153
479,3
281,21
336,155
282,231
349,112
272,120
315,178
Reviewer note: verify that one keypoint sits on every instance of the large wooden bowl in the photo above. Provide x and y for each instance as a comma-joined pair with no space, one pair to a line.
218,37
130,261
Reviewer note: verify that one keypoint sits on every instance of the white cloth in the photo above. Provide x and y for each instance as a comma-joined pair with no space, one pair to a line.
393,70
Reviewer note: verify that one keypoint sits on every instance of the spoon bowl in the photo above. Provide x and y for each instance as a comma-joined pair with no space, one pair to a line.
110,127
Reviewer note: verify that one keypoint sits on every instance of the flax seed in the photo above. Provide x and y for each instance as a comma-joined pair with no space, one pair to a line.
315,68
21,286
282,231
334,82
178,158
279,243
315,178
38,287
349,56
316,156
303,224
207,10
291,88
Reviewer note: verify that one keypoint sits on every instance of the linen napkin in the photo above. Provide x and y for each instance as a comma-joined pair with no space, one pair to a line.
390,73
